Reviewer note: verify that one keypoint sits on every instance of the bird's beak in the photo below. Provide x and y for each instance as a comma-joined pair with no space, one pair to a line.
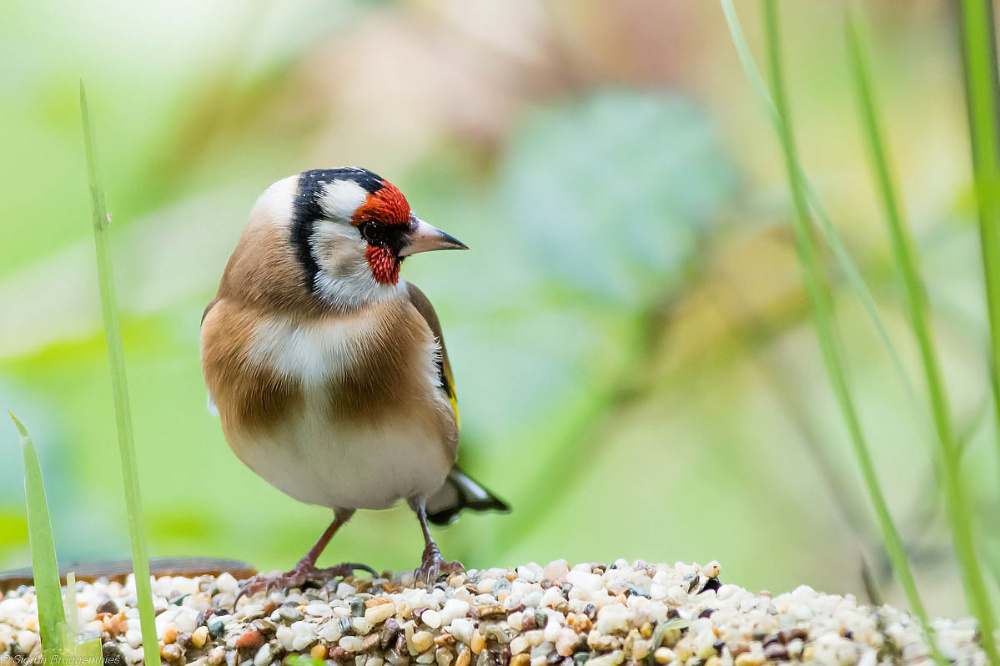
423,237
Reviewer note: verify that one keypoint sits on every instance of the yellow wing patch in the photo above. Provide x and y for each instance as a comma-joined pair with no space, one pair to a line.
426,310
448,384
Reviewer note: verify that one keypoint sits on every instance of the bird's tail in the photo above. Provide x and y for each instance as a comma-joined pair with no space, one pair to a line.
461,492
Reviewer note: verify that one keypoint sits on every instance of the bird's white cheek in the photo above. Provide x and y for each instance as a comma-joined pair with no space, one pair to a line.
213,409
345,278
341,198
339,257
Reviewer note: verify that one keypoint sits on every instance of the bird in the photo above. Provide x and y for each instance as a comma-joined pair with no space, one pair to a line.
329,372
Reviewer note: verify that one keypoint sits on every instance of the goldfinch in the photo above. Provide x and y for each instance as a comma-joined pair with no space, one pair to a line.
328,372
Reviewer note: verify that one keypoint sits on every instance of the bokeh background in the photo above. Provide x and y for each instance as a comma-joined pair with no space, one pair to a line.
636,367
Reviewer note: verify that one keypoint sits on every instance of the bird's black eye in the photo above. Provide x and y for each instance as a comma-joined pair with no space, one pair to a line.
369,231
373,233
382,235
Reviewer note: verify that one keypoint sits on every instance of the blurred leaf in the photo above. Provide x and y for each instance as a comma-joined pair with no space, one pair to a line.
615,191
601,207
611,202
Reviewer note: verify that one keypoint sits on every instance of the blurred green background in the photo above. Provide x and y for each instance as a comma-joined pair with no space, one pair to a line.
635,363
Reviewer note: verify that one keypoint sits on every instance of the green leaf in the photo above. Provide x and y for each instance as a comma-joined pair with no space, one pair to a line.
607,204
43,552
615,192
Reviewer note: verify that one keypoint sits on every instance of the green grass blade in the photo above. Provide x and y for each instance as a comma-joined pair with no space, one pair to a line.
119,386
89,653
819,295
948,453
70,611
43,552
75,649
979,59
831,236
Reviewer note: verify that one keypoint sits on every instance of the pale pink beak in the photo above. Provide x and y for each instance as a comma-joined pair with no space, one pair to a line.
423,237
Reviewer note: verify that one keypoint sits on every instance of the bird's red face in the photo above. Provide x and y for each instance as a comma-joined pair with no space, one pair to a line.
382,220
393,232
347,219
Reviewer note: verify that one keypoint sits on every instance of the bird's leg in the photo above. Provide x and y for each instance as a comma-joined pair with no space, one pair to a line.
432,564
306,569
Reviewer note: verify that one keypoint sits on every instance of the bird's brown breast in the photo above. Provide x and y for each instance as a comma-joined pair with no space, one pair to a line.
248,395
373,364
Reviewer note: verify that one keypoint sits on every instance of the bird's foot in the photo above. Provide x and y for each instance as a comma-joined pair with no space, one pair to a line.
432,565
303,572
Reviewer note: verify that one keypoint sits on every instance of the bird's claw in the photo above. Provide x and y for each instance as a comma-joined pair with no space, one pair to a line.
432,565
297,577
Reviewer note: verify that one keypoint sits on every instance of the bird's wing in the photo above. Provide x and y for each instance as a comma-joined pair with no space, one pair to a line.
212,408
426,310
208,308
460,491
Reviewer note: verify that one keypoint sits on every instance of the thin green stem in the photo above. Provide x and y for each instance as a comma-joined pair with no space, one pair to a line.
119,388
821,302
981,91
948,454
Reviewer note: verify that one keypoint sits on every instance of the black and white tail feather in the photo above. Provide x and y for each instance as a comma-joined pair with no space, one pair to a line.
461,492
